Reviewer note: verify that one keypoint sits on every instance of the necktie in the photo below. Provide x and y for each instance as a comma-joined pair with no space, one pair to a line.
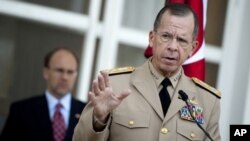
164,95
58,124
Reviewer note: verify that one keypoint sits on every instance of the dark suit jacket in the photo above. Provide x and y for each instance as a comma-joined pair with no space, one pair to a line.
29,120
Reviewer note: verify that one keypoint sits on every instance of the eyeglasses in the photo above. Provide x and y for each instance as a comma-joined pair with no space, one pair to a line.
166,37
60,71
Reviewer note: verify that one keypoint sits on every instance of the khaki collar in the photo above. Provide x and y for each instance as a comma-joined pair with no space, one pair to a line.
158,77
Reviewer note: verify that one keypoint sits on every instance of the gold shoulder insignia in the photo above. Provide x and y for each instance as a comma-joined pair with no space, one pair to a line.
119,70
205,86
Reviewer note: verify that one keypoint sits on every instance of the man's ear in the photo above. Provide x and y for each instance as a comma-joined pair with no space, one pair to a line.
194,46
45,73
151,38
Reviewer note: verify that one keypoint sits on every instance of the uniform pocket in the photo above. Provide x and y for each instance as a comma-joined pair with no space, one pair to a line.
189,130
129,125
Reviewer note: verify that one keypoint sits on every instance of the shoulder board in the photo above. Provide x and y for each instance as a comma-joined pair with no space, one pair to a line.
122,70
206,87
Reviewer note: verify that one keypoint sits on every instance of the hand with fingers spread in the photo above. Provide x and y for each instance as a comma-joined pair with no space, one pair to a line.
103,98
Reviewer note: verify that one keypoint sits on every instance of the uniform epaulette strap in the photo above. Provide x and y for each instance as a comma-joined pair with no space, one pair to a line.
122,70
206,87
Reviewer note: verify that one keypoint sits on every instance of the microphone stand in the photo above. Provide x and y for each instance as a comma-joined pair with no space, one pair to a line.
184,97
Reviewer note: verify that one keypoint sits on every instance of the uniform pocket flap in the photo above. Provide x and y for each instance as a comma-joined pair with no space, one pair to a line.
190,130
132,119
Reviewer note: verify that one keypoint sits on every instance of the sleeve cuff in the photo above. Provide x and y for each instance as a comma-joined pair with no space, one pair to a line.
98,125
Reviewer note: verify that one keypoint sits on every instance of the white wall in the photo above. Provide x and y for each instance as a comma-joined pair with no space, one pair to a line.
234,67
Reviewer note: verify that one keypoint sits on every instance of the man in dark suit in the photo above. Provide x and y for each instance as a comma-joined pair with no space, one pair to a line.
53,115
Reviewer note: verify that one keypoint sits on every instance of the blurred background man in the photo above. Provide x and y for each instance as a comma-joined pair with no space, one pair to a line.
53,115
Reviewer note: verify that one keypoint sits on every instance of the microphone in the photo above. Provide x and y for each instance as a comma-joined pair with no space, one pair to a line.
184,97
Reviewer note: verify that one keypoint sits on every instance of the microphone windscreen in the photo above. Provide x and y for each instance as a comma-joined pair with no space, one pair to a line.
184,96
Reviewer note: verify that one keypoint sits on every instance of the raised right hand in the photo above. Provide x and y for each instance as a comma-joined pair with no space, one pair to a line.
103,98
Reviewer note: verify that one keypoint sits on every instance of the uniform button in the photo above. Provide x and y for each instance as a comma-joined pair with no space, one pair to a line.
192,135
131,122
164,130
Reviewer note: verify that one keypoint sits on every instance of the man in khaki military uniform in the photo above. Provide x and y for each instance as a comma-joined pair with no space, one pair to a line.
125,106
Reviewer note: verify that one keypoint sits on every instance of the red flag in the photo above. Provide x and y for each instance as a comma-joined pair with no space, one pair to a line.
195,65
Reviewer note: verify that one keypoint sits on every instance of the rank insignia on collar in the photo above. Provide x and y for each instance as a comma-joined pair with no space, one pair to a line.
197,112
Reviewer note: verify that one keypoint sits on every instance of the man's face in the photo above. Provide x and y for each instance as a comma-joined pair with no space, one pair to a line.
172,42
61,73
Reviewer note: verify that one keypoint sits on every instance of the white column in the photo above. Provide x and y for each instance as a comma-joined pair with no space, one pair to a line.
246,116
245,49
234,64
88,51
109,38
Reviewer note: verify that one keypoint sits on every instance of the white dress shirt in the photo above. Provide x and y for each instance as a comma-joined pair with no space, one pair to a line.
66,103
